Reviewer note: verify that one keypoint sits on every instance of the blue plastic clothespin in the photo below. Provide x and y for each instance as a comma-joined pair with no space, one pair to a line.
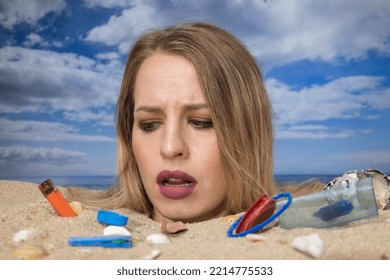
111,241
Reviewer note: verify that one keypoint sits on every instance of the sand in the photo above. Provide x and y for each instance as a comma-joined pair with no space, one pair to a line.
22,206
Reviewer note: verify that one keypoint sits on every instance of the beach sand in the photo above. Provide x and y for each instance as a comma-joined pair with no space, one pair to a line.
23,206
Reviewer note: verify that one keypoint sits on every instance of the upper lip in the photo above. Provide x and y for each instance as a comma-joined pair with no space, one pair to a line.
174,174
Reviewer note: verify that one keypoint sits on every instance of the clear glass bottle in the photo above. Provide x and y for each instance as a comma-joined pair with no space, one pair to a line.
334,206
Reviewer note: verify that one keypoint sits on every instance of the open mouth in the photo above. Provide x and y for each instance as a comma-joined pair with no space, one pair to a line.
175,184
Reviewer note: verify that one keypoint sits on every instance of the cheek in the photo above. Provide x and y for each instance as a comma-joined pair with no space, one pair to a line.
141,153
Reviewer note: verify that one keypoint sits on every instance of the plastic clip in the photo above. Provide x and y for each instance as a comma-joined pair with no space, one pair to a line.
259,215
110,241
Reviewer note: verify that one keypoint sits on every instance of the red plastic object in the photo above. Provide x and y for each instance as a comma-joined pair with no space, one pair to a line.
261,210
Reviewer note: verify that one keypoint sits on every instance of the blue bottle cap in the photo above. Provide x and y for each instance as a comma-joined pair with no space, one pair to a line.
111,218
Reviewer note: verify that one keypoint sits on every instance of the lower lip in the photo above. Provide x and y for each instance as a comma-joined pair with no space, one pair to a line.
176,192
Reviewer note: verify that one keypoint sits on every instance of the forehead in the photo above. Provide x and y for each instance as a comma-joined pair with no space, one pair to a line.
164,76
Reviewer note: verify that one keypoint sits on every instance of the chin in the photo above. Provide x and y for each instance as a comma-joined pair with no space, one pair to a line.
188,217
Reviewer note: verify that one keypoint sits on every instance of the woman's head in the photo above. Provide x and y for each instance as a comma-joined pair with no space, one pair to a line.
230,85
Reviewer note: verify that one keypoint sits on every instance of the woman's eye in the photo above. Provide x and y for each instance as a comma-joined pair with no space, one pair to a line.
201,124
149,126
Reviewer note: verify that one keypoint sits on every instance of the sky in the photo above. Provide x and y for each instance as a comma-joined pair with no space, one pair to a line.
326,66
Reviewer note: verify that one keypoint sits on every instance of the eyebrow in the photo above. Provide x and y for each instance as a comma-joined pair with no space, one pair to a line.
154,109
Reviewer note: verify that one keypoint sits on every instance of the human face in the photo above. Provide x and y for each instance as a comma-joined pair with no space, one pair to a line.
174,142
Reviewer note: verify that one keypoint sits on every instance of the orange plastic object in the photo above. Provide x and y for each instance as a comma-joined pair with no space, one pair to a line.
56,199
260,211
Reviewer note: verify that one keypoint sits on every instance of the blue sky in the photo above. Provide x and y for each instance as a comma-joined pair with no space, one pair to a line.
326,66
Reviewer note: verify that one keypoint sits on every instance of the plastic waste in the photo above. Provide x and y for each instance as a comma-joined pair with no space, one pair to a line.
334,206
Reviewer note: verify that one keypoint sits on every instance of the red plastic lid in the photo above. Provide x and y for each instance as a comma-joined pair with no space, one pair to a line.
260,211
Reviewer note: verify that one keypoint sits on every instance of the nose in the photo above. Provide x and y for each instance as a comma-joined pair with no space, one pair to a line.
174,142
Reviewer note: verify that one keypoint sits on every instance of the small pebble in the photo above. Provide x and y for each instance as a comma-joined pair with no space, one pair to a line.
255,237
77,207
28,234
158,238
153,255
116,230
310,245
30,252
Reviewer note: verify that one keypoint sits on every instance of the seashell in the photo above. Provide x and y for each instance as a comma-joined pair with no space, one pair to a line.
172,227
116,230
310,245
153,254
30,252
77,207
255,237
28,234
230,219
158,238
382,191
380,181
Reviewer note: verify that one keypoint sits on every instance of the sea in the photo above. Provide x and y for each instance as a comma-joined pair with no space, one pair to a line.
106,182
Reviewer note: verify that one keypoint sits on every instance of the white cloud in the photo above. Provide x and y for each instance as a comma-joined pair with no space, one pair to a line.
49,155
318,30
41,81
108,3
339,99
108,55
121,30
334,163
33,39
277,32
295,111
101,117
18,11
41,161
45,131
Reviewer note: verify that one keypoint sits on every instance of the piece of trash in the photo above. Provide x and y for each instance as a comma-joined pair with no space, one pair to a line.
260,216
116,230
310,245
59,203
334,210
110,241
172,227
152,255
111,218
158,238
30,252
337,204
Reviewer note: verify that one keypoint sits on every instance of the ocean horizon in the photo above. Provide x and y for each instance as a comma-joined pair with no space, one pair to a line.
106,182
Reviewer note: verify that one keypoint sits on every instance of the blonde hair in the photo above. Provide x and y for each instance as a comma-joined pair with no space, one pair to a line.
241,112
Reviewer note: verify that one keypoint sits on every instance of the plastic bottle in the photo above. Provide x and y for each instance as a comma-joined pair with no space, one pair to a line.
343,203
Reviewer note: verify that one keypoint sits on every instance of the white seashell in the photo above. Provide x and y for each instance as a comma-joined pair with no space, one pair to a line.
158,238
116,230
255,237
28,234
310,245
153,254
77,207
